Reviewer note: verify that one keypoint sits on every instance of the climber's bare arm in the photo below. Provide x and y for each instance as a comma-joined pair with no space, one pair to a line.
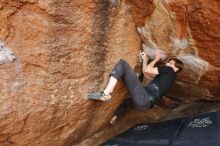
149,76
150,69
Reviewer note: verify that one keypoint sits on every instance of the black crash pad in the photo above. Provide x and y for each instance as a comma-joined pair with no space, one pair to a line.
201,130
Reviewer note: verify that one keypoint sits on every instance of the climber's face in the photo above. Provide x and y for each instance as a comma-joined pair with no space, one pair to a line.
175,63
172,63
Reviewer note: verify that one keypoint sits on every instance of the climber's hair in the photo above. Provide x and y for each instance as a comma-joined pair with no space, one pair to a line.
178,63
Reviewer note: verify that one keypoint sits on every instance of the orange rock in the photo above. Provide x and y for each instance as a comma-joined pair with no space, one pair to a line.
189,30
63,49
141,10
58,51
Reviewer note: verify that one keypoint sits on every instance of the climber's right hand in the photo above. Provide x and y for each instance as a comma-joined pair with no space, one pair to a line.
143,55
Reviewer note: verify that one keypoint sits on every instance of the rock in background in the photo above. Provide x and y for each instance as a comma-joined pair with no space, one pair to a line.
189,30
55,52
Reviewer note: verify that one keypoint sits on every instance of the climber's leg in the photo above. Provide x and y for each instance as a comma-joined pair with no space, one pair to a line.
140,96
116,74
105,95
123,70
110,86
122,109
124,106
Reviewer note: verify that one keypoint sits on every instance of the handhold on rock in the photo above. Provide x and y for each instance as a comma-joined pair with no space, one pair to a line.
6,54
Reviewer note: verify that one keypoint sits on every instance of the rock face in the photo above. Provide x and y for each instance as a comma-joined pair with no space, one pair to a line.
52,53
189,30
141,10
183,111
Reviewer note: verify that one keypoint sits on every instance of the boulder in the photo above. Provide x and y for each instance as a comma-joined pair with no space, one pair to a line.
190,31
52,54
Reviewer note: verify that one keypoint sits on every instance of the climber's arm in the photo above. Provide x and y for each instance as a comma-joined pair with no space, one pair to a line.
150,68
144,63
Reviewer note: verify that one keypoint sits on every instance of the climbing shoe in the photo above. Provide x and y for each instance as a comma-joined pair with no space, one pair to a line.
100,96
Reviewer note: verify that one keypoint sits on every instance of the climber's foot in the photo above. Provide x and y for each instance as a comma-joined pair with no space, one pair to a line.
100,96
113,119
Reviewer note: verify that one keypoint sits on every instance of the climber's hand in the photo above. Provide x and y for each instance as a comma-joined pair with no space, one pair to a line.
158,55
143,55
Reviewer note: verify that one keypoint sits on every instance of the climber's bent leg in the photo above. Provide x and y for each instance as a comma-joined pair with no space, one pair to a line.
122,109
123,70
140,96
105,95
124,106
110,86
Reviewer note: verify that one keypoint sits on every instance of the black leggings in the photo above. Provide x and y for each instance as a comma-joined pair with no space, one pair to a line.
124,106
141,97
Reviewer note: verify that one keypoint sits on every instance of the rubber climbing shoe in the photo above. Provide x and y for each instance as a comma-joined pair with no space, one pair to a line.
100,96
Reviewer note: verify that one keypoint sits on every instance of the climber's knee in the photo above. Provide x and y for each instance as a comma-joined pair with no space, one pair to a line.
123,61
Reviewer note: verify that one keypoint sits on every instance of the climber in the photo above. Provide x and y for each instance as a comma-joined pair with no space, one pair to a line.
142,97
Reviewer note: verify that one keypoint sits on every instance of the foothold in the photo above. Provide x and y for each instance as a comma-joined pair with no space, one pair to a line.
18,85
6,55
140,30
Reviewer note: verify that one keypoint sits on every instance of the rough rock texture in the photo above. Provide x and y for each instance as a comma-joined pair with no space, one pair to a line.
189,30
141,10
149,116
55,52
124,123
52,53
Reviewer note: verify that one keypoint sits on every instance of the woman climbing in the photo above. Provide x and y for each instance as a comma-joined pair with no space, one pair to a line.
142,97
